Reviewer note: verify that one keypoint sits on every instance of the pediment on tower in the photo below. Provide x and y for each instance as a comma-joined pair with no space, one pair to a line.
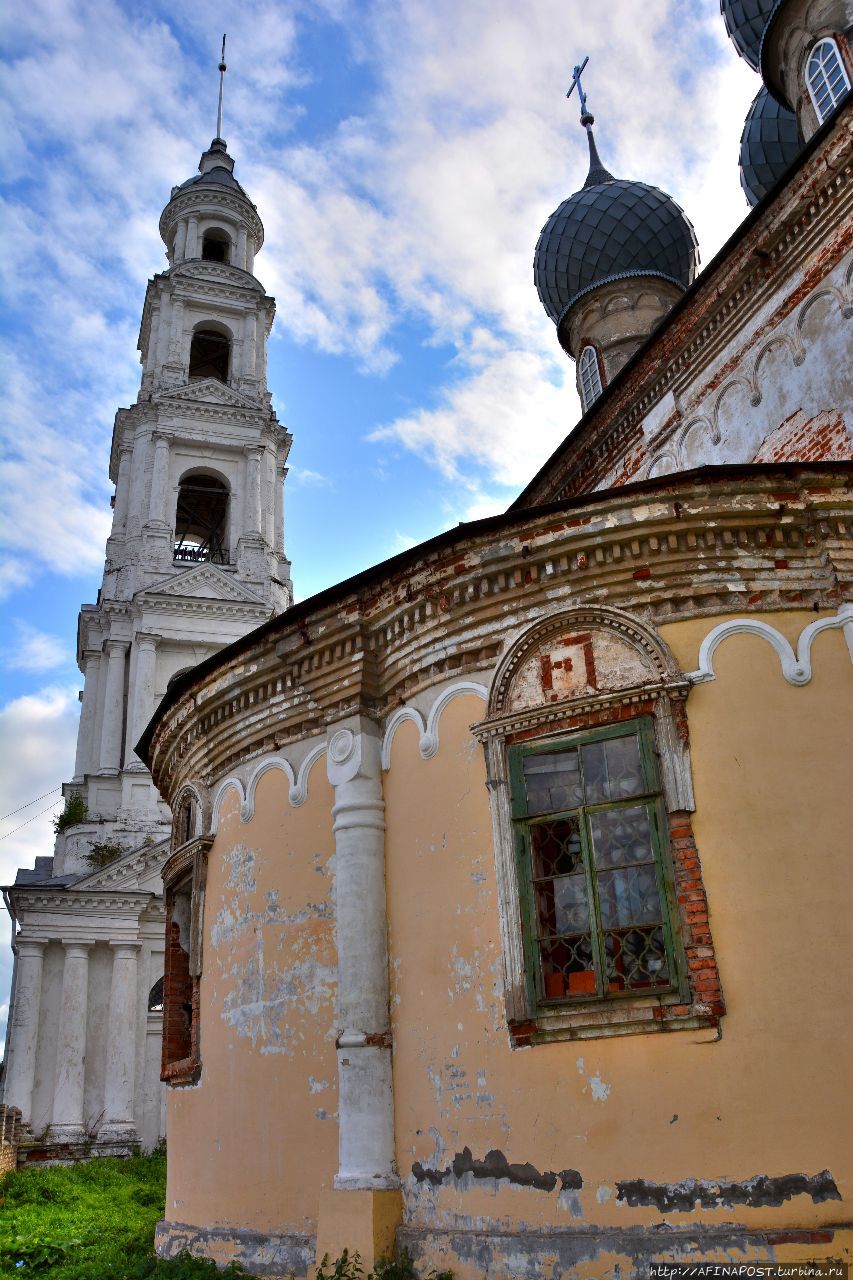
137,871
202,582
206,391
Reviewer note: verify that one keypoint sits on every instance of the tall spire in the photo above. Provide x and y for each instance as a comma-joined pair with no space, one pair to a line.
597,172
222,70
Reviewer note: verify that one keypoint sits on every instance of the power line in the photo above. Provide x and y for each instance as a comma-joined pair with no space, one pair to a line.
47,809
21,808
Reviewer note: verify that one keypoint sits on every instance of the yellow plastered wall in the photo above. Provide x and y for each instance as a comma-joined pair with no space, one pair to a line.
772,774
255,1143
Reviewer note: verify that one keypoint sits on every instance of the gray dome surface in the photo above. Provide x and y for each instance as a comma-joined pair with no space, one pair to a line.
745,22
769,145
609,230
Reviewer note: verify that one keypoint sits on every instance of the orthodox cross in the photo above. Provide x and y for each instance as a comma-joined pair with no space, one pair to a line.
576,81
222,70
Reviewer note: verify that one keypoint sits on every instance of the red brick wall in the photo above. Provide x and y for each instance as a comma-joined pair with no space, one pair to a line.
823,438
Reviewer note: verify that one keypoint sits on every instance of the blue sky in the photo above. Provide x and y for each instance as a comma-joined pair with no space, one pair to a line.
403,158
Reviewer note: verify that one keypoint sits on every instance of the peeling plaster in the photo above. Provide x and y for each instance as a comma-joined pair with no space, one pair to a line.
599,1089
495,1166
761,1190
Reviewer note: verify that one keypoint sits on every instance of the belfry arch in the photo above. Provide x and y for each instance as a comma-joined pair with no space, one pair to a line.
201,519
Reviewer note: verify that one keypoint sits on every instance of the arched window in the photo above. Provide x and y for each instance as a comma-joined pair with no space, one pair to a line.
201,520
215,246
210,355
184,826
590,377
155,997
826,78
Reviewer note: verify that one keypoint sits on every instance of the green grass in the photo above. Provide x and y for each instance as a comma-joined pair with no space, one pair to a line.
92,1221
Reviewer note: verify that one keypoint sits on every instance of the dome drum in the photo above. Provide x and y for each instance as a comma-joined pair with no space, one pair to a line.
616,318
793,29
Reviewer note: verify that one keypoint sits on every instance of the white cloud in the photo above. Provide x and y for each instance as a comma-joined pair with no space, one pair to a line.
34,650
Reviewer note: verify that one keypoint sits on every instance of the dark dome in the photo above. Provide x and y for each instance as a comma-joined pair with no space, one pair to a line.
745,22
609,230
769,145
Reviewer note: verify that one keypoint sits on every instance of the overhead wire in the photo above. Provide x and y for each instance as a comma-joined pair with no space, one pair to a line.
21,825
21,807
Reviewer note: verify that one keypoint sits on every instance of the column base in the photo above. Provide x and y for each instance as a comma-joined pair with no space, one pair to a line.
66,1135
116,1138
363,1222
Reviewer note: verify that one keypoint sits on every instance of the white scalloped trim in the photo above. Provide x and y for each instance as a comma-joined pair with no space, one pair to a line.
796,667
428,741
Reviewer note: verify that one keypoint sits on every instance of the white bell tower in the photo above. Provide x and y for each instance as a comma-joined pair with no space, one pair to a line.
196,554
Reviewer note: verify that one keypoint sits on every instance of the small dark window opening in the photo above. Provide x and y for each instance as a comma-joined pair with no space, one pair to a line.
201,519
210,354
185,822
215,246
177,980
155,997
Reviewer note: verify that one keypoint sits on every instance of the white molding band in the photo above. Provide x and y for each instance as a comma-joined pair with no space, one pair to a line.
428,742
796,667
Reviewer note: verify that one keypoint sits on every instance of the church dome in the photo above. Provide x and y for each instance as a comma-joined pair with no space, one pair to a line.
745,22
609,230
769,145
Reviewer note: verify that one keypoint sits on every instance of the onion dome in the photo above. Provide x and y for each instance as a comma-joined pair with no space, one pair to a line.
610,230
745,22
769,145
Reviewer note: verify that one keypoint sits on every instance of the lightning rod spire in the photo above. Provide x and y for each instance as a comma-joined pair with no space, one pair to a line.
222,70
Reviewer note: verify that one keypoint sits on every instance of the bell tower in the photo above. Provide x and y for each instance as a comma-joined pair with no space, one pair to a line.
196,555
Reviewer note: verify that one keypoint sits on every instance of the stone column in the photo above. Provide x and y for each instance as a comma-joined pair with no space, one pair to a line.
192,249
176,341
250,359
69,1079
366,1127
250,254
118,1131
240,260
143,691
122,491
181,241
84,763
159,481
164,328
111,730
366,1204
23,1037
280,473
253,491
137,485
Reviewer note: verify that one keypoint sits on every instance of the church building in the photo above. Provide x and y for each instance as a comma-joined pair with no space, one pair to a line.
507,889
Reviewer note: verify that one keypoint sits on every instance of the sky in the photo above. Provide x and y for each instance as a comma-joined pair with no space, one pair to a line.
403,158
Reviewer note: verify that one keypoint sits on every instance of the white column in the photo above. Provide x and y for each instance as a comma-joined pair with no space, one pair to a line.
84,763
69,1080
249,356
250,254
253,491
122,491
181,240
111,730
137,485
164,329
192,248
366,1105
280,473
159,481
143,689
240,260
118,1126
23,1035
176,341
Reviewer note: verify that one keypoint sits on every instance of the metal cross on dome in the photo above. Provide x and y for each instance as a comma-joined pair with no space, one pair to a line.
586,115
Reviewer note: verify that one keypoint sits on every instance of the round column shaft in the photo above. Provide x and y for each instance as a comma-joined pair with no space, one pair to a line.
69,1078
159,481
143,691
84,763
23,1042
111,730
118,1125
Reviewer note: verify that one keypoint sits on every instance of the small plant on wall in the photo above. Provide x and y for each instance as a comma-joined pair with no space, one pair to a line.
348,1267
75,811
102,853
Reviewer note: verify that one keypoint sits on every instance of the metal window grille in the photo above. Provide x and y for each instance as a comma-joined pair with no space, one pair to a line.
826,78
590,377
595,890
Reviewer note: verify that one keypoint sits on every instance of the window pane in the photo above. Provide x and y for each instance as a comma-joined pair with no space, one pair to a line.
621,837
563,905
552,782
636,960
612,769
556,848
629,897
567,968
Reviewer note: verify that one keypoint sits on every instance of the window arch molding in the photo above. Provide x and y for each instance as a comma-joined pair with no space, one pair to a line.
826,77
591,674
191,817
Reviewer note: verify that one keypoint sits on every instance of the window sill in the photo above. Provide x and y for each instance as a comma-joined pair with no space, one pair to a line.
622,1018
182,1071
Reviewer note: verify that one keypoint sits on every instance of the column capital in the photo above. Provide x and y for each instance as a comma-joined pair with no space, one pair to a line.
147,639
161,437
75,949
32,948
353,751
255,451
116,646
125,950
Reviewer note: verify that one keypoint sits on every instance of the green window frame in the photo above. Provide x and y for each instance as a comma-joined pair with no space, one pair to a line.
594,874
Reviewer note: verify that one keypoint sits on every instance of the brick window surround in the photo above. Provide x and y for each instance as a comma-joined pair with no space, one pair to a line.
184,879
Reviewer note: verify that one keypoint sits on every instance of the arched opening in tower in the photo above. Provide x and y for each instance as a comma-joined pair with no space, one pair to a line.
210,354
201,520
215,245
